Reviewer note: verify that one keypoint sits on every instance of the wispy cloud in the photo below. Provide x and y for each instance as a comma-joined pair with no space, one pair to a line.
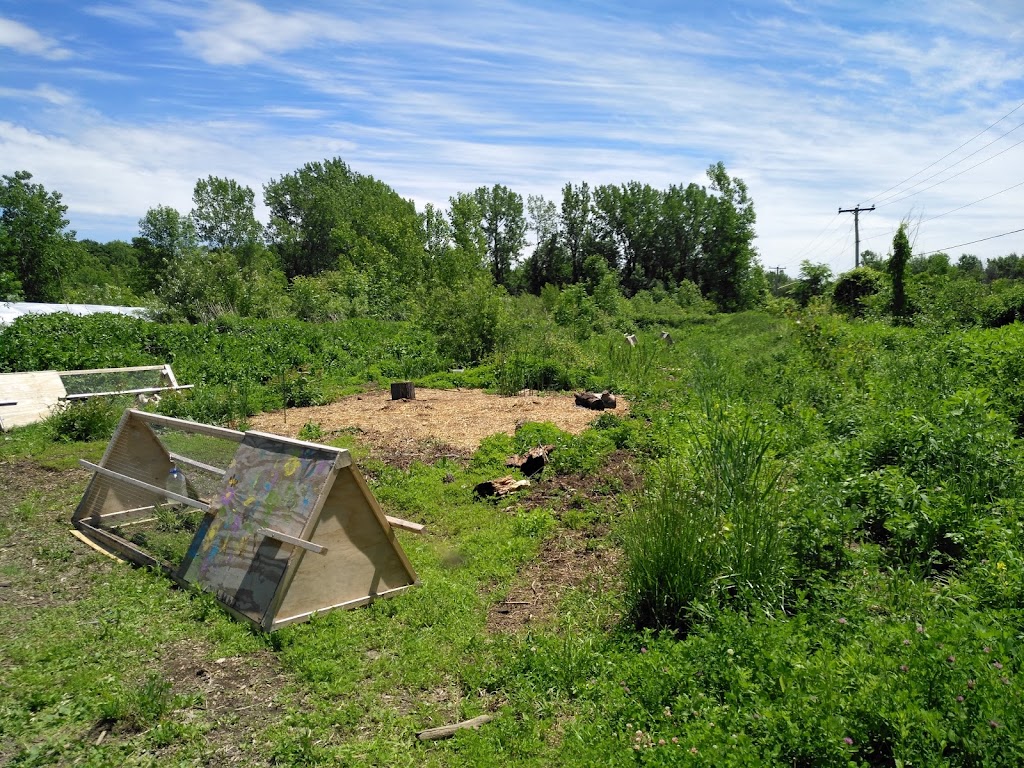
25,40
235,32
816,105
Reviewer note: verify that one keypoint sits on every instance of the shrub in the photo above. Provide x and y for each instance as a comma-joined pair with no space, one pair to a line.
86,420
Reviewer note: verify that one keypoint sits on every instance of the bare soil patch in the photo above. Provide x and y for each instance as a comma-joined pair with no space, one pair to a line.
575,558
439,422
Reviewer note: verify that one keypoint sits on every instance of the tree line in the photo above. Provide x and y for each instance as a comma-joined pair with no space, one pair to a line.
326,219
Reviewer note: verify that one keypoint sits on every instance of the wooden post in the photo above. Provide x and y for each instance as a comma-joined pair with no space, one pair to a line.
403,390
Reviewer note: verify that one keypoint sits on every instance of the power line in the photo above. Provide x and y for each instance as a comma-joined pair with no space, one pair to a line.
939,216
808,247
899,184
954,165
950,178
972,242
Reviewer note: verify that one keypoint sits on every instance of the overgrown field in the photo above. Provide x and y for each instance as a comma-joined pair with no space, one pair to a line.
823,565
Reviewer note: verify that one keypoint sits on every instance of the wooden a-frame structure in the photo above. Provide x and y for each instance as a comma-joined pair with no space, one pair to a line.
292,530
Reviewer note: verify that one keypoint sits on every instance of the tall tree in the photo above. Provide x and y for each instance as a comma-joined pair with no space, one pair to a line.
164,234
543,215
576,221
35,243
504,227
729,259
628,215
326,216
680,234
224,214
897,268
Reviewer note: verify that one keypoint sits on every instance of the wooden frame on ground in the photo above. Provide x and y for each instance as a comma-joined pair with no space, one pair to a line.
292,529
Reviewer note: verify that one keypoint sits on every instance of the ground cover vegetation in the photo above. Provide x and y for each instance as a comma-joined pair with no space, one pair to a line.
822,567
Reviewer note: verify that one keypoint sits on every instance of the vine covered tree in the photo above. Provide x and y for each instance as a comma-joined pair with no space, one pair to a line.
897,268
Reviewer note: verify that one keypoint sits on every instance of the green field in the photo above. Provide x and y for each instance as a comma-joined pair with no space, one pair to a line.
802,547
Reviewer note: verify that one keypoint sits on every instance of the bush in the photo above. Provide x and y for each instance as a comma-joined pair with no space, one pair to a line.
86,420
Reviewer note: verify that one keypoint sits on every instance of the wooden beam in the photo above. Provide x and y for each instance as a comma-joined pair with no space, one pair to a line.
308,545
344,458
179,459
190,426
447,731
112,370
405,525
139,391
143,485
90,543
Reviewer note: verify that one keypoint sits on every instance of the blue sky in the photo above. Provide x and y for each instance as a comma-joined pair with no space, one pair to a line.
121,106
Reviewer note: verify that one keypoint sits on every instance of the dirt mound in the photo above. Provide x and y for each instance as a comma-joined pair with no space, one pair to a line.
458,418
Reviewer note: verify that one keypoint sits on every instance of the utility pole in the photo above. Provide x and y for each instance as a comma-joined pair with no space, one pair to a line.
856,230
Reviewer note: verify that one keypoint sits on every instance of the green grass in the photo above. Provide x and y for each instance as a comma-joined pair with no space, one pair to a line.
890,459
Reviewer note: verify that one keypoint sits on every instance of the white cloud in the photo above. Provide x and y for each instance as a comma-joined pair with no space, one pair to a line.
26,40
43,93
238,32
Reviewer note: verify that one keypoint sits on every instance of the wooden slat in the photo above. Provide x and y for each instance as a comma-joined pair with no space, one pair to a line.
139,391
90,543
169,374
191,426
143,485
405,525
179,459
283,621
277,535
112,370
344,459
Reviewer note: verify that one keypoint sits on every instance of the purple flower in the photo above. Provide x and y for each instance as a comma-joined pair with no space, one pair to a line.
1004,680
906,642
971,684
904,668
842,621
951,658
997,665
643,649
993,723
959,698
986,649
920,628
847,741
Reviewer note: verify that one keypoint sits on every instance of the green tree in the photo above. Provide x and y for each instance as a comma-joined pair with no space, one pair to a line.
576,225
164,234
326,216
814,280
969,265
224,215
728,260
504,228
35,243
897,269
628,216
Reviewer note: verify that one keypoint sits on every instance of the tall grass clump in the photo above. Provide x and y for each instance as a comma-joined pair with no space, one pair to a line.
710,524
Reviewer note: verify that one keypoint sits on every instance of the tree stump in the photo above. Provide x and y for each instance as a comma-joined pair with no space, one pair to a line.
589,400
403,390
533,461
503,486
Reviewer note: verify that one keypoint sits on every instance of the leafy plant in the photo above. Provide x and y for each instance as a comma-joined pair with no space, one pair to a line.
94,418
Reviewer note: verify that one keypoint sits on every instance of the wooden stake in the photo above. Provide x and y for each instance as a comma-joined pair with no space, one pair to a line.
447,731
